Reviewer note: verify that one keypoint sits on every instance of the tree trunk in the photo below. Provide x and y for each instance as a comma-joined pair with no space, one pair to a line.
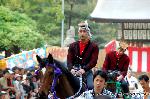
7,53
16,49
70,16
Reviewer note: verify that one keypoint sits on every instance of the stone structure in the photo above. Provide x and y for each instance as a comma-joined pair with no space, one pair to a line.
69,36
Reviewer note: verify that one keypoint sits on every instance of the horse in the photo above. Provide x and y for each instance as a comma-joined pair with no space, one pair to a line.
115,86
112,84
57,81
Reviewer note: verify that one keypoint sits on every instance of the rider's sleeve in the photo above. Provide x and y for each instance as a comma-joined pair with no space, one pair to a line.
125,66
93,60
106,62
70,57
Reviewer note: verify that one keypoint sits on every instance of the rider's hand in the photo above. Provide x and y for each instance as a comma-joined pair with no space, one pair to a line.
119,78
82,71
78,73
94,69
73,71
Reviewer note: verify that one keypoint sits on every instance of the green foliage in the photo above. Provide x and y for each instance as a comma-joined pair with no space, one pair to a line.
18,30
46,13
47,16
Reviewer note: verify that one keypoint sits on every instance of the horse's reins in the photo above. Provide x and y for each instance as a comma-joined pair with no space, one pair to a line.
72,97
57,73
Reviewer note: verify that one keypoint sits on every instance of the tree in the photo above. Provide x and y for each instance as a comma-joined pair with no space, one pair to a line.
46,13
17,31
69,9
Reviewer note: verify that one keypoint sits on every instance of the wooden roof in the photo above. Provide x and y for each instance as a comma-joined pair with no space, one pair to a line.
121,11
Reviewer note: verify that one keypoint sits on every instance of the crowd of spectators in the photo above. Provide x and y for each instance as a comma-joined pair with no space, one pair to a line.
18,83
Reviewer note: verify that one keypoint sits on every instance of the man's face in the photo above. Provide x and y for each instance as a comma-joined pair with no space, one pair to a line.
18,78
121,51
22,71
6,75
99,83
83,35
11,76
17,71
144,84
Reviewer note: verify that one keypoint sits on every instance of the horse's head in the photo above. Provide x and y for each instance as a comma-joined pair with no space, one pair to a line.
112,79
112,75
47,80
57,78
45,62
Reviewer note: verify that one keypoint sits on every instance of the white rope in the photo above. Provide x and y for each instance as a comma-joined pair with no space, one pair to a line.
72,97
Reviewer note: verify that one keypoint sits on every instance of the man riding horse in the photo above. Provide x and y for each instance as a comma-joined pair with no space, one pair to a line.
118,61
83,54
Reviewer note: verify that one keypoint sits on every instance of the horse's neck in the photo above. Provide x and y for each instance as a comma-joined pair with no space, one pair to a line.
45,83
41,75
64,89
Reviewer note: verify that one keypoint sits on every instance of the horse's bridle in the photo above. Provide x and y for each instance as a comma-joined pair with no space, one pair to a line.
57,73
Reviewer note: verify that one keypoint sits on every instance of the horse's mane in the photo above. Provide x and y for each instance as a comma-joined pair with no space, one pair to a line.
75,83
